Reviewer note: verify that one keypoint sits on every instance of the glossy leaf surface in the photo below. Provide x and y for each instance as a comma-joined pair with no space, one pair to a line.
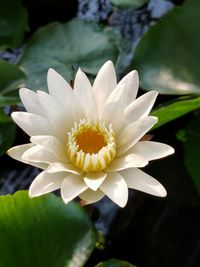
43,231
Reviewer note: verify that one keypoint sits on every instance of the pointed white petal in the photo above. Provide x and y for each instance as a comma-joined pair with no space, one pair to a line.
141,107
38,153
150,150
129,161
65,96
115,188
71,187
113,110
32,124
62,167
83,89
89,196
30,101
133,132
58,86
17,152
104,83
45,183
131,81
94,180
139,180
52,144
63,93
60,120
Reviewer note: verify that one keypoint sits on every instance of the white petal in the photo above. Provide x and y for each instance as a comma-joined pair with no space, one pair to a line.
71,187
94,180
151,150
115,188
60,120
104,83
131,81
113,110
58,87
32,124
129,161
30,101
89,196
38,153
52,144
62,167
139,180
133,132
83,89
78,109
45,183
65,96
17,152
141,107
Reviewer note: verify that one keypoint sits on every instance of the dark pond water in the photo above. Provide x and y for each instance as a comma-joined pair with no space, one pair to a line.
149,232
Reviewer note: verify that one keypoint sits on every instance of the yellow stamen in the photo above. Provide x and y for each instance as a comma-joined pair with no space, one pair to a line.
91,146
90,139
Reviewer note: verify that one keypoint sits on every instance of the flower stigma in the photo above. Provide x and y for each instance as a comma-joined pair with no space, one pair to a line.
91,146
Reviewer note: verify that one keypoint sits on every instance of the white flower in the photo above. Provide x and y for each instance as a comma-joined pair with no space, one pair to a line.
88,140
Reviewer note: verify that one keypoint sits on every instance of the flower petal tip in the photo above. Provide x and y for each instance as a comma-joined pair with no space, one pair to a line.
160,191
171,150
15,115
123,204
31,192
51,70
163,192
109,63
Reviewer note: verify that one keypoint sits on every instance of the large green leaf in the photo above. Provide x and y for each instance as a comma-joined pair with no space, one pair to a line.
13,23
43,231
114,263
191,143
66,47
167,56
128,3
11,78
172,110
7,132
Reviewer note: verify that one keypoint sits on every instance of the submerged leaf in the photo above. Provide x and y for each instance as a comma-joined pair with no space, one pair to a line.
66,47
13,23
167,56
11,78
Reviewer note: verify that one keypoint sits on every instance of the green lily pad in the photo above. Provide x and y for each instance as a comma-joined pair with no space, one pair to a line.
114,263
128,3
13,23
65,47
43,231
7,132
167,57
191,144
175,109
11,78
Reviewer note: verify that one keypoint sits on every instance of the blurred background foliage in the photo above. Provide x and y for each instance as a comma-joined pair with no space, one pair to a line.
159,38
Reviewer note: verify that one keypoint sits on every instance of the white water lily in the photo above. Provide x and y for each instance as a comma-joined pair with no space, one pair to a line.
88,140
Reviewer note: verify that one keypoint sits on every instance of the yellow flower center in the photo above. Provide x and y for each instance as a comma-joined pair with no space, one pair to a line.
90,139
91,146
